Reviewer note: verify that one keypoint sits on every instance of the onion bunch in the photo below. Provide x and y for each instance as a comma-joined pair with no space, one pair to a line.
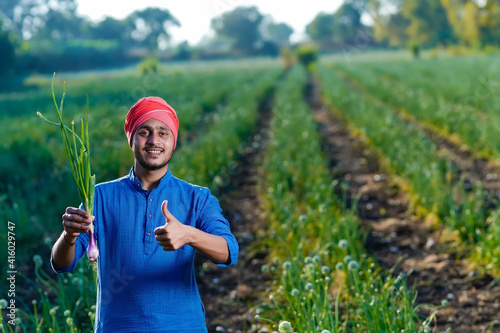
78,151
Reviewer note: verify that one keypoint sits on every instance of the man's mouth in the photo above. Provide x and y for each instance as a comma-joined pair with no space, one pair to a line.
153,151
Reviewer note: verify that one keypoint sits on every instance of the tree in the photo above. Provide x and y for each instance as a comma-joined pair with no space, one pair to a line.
27,17
321,30
361,6
470,19
428,21
242,27
392,29
151,26
7,51
335,31
110,29
489,23
7,9
474,22
59,25
278,33
347,23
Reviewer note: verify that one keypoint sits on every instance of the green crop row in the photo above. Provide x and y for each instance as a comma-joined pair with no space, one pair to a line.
467,81
412,156
205,86
324,281
458,99
471,119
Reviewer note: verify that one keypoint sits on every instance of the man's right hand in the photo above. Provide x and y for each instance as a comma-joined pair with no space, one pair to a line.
75,221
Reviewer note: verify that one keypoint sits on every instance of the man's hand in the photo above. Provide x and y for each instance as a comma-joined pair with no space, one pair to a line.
173,235
75,221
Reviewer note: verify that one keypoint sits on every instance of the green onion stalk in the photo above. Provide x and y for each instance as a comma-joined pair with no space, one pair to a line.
78,152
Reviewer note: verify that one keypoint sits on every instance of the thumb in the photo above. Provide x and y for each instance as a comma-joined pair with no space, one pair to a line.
164,210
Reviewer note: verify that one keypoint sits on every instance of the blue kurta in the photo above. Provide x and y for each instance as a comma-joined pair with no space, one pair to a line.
141,287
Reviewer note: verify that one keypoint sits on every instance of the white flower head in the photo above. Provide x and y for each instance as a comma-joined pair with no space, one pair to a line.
343,244
285,327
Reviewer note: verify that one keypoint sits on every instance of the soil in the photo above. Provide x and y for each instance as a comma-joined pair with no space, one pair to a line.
396,237
230,294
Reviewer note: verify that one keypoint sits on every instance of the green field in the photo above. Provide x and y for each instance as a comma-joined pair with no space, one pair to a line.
323,277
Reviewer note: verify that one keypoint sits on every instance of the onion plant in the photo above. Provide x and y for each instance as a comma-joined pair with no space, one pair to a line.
78,152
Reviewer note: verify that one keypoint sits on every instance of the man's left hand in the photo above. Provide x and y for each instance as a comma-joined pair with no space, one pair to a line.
173,235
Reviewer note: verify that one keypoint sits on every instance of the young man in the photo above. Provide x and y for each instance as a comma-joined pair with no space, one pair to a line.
148,225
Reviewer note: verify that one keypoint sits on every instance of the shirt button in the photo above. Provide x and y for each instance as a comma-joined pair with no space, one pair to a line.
150,199
149,215
149,234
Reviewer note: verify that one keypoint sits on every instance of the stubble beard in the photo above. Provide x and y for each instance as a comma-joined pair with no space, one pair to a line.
153,167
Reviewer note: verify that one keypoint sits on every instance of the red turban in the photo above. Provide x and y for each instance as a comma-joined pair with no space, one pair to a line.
150,108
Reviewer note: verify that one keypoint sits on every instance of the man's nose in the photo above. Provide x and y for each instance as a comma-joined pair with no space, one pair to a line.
153,138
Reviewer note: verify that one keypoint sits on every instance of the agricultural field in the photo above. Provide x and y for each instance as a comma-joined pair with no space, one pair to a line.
363,193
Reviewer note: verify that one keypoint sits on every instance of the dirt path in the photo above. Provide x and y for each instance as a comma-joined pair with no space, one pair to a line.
471,168
229,293
398,237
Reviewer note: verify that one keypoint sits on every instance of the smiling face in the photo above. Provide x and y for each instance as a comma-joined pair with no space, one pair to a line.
153,146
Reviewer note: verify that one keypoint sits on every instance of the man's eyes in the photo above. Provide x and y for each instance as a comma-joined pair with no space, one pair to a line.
146,133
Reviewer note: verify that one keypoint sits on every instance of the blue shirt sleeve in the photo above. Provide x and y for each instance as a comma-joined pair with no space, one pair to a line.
212,222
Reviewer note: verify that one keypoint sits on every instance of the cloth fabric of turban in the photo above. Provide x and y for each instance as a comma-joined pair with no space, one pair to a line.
150,108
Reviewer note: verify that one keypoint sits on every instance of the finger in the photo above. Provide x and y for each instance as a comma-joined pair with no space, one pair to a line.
160,230
76,214
164,209
75,218
75,226
78,211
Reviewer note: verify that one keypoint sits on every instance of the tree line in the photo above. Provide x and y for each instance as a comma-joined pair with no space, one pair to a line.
36,35
42,36
398,23
471,23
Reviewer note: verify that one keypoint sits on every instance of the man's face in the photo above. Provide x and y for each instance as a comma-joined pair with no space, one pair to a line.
153,145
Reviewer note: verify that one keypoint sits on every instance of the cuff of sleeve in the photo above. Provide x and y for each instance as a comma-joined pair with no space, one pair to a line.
64,270
232,246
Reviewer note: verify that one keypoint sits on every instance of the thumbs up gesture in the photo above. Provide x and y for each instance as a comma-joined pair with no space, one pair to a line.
173,235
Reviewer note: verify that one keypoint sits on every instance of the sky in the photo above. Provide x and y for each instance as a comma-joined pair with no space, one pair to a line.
195,15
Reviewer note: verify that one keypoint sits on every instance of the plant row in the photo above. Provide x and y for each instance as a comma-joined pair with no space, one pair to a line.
468,115
430,179
323,279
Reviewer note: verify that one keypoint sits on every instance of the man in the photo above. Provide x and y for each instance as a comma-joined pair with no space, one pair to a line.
148,225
